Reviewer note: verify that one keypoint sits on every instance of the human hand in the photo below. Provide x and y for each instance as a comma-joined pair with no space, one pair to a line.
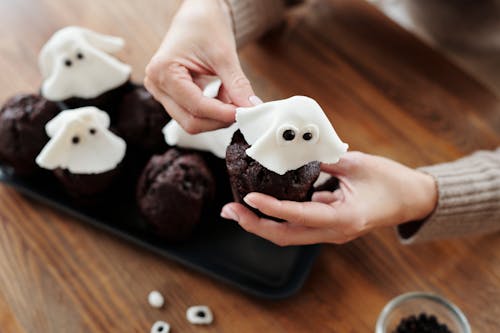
374,192
199,42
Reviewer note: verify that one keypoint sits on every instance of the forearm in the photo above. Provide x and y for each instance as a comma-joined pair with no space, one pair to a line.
468,203
252,18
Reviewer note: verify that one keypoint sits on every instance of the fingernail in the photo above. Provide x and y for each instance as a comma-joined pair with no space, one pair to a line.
249,201
255,100
229,213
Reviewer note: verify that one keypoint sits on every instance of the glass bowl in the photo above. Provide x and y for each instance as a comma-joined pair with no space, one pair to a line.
416,303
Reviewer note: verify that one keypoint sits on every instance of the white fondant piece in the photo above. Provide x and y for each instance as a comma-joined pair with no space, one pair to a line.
199,315
75,63
160,327
88,114
155,299
264,125
215,141
81,143
211,90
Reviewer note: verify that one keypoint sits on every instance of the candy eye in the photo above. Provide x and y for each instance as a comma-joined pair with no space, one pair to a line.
68,63
79,55
310,133
286,134
75,140
92,131
199,315
289,135
160,327
307,136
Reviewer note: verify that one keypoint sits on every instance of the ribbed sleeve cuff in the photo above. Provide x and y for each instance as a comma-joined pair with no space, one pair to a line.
251,18
468,202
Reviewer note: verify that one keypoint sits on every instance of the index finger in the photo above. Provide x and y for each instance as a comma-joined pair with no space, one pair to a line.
179,85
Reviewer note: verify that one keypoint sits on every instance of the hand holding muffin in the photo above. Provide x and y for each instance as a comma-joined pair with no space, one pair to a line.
374,192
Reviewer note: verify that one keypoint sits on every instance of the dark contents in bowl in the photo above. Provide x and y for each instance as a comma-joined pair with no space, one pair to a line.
422,323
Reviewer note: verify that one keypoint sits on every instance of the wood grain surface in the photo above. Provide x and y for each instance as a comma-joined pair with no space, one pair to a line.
386,93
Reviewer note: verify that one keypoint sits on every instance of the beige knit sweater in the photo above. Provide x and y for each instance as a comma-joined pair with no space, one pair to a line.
469,188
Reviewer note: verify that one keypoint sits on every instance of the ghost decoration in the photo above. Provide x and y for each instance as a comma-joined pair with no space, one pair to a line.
81,143
287,134
75,63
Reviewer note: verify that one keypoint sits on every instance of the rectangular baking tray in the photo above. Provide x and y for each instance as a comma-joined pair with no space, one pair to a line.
219,249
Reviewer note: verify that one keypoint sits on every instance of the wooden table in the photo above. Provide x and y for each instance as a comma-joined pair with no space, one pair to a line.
385,92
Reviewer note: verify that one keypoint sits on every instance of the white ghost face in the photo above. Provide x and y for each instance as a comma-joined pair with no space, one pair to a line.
75,63
287,134
81,142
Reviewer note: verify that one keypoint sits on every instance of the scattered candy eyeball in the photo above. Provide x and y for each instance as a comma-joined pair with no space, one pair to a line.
199,315
155,299
160,327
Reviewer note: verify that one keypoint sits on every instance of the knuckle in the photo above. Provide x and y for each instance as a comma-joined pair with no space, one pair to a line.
240,81
195,109
191,125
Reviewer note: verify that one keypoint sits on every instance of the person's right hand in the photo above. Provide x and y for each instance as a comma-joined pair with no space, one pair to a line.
199,42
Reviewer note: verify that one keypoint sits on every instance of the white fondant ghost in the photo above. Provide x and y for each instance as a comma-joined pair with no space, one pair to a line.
287,134
215,141
81,142
75,63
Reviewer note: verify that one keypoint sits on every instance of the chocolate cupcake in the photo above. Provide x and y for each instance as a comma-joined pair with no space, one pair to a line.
278,148
78,70
22,130
85,156
247,175
174,191
140,120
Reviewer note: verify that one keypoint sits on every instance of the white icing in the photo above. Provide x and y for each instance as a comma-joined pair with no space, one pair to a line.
97,150
160,327
155,299
193,315
264,125
89,75
215,141
211,90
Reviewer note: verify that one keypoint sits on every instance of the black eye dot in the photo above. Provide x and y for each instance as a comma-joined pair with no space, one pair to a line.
68,62
75,140
200,314
79,55
160,329
92,131
288,135
307,136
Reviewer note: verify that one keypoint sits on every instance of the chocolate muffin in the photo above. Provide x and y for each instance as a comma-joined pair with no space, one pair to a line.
174,191
88,189
107,101
22,130
140,119
247,175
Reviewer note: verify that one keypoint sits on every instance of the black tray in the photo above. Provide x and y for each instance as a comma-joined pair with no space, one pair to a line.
220,249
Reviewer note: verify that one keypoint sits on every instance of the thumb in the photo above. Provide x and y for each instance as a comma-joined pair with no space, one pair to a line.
237,84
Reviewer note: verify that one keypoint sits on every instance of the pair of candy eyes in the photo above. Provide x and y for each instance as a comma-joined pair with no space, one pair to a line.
76,139
68,62
289,135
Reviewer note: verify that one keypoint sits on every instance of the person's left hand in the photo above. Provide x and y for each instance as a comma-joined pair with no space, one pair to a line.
374,192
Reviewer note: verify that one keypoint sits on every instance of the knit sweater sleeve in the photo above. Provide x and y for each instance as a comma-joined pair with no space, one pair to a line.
252,18
468,200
